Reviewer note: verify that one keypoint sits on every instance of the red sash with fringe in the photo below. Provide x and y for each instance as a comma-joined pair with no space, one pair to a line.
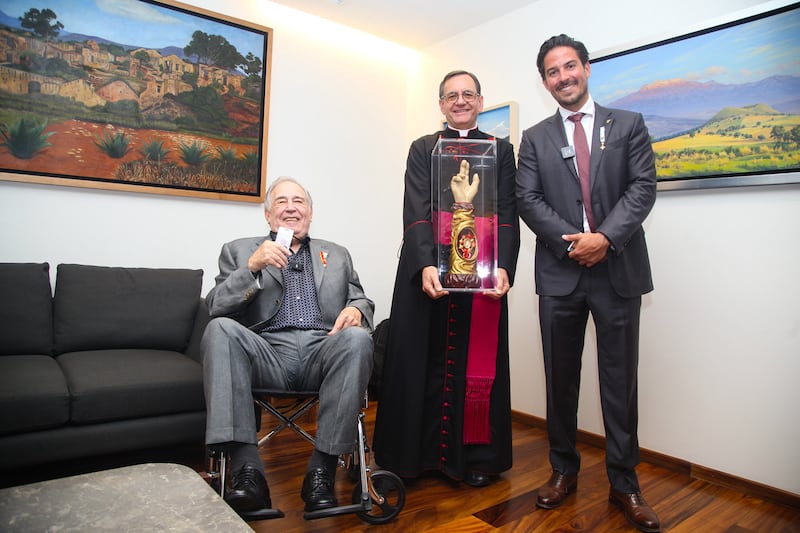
481,368
483,337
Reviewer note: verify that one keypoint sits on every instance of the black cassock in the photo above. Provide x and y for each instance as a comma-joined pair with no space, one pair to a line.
420,416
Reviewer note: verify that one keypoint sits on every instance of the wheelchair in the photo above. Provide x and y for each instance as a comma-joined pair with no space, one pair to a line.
378,495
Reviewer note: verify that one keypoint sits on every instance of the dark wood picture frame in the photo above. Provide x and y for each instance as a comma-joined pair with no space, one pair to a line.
155,97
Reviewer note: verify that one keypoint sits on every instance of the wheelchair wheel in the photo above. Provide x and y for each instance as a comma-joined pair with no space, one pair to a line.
390,487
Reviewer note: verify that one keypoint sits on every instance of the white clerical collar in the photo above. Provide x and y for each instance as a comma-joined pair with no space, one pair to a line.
462,133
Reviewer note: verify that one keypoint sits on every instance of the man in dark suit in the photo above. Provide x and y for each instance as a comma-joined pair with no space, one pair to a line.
290,313
591,256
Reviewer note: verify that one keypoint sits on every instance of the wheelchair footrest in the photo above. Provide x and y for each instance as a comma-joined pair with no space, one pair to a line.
261,514
333,511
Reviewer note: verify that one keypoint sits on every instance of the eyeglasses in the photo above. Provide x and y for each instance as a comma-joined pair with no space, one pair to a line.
452,98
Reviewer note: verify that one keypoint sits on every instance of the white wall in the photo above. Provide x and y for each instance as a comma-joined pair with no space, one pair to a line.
719,334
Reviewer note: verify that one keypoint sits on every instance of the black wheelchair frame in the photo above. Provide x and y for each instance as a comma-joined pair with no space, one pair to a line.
378,495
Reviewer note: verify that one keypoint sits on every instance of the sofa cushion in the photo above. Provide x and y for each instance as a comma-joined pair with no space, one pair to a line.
117,384
33,394
114,307
26,309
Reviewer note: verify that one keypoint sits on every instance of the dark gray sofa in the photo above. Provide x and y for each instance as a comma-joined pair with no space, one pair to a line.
107,363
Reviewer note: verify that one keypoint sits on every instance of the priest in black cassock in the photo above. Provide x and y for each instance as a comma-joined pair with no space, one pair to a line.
445,400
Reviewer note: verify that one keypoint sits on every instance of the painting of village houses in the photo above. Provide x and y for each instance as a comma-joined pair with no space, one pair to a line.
138,96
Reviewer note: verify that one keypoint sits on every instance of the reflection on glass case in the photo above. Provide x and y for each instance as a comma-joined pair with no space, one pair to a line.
464,203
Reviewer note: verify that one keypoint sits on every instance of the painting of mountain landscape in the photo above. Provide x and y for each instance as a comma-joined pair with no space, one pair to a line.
133,95
718,104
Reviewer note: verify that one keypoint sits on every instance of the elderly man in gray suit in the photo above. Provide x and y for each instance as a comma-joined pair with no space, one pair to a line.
289,313
585,184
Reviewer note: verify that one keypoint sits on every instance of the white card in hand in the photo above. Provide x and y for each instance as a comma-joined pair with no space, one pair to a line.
284,237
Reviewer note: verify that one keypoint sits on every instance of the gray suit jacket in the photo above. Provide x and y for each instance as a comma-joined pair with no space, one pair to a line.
623,189
237,294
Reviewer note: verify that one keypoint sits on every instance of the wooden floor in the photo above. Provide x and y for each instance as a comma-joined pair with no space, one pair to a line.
434,503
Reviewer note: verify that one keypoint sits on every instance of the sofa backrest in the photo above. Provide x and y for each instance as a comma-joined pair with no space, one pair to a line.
26,309
99,307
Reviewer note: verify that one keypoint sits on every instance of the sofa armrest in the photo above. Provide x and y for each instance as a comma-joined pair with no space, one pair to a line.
201,320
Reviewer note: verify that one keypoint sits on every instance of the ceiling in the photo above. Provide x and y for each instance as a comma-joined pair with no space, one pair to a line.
412,23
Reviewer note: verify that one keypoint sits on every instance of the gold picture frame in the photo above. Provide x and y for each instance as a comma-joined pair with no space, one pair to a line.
154,97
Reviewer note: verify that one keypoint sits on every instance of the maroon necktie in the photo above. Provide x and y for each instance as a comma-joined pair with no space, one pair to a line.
582,156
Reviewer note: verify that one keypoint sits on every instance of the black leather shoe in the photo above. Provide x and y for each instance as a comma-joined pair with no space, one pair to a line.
318,490
476,479
552,493
249,491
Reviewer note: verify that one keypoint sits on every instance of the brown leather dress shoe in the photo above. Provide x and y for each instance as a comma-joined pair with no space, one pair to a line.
552,493
639,514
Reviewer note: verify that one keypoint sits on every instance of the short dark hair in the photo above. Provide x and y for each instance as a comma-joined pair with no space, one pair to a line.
560,40
455,73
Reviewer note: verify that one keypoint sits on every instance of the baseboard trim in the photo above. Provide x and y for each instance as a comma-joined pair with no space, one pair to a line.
709,475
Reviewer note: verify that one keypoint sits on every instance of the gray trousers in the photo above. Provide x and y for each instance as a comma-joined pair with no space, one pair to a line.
236,359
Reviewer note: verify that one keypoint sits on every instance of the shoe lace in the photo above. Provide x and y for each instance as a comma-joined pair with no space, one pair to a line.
246,476
321,480
636,499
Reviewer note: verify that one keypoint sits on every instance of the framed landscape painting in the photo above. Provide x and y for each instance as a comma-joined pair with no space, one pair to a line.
722,105
500,121
134,95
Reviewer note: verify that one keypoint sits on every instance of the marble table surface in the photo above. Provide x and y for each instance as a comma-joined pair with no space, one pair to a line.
141,498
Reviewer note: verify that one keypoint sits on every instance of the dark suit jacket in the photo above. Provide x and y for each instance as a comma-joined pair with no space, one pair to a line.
623,191
237,294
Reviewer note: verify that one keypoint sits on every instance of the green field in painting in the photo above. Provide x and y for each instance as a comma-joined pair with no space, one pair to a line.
736,140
